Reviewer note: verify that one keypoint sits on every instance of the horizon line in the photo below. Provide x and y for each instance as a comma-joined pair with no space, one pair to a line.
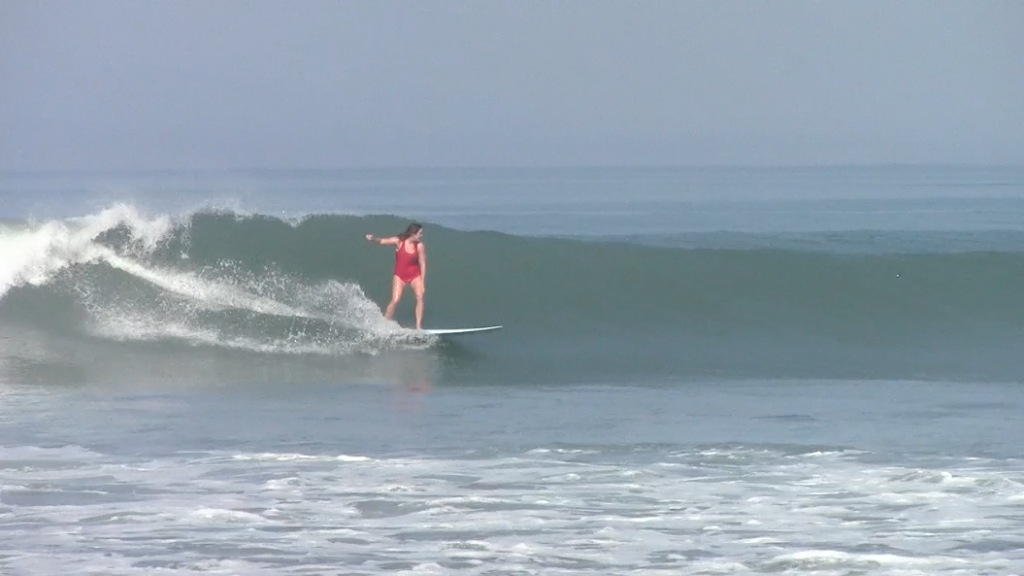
485,167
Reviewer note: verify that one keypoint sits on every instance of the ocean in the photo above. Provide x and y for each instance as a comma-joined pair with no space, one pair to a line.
715,370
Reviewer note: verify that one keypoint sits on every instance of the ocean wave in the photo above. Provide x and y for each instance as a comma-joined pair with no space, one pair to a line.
227,280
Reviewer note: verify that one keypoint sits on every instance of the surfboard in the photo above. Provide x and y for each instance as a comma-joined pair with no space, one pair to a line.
454,331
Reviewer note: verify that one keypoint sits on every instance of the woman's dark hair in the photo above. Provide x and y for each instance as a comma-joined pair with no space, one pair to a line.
409,231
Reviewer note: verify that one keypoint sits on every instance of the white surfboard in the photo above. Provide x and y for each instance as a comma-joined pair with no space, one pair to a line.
453,331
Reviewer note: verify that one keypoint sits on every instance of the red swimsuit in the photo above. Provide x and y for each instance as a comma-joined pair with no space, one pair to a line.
407,266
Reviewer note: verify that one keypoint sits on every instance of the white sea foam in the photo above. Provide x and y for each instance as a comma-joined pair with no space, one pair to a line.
284,510
33,253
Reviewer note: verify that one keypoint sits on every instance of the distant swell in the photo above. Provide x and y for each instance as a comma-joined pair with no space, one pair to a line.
261,284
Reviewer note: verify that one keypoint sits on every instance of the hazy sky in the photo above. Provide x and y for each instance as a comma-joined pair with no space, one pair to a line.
242,84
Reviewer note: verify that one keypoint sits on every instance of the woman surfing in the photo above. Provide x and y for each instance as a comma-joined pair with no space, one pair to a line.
410,268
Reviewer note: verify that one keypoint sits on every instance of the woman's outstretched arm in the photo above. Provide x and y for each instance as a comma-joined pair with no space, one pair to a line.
392,240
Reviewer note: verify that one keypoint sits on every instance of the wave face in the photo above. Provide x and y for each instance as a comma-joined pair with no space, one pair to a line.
120,276
261,285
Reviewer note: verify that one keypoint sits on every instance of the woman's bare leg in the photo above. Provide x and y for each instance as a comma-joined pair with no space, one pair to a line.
397,288
420,289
